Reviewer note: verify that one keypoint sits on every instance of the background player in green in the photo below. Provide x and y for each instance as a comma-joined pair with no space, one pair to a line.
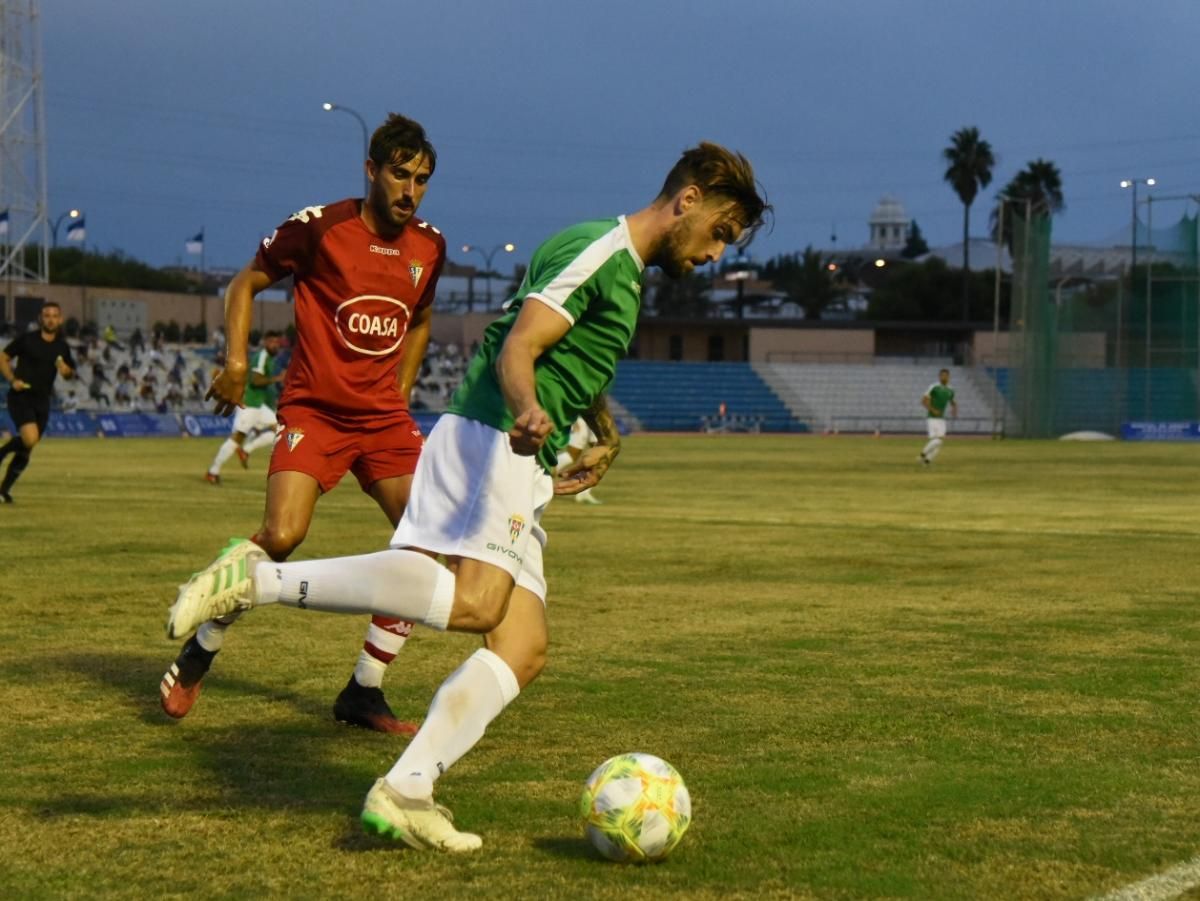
485,477
936,398
256,419
41,355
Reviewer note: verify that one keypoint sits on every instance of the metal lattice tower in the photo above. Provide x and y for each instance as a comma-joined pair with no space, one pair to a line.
22,144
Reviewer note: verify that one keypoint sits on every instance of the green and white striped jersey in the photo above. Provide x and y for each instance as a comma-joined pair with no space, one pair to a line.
256,395
592,276
940,396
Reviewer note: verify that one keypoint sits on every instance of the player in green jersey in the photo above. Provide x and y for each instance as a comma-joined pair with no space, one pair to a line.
935,400
256,419
487,473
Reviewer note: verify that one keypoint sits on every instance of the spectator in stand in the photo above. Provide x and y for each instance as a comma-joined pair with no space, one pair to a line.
96,392
137,343
124,392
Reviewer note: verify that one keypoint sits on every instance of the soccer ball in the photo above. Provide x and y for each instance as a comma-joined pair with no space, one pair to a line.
636,808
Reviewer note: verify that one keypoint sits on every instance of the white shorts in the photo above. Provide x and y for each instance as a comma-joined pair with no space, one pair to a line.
936,427
581,437
253,419
473,497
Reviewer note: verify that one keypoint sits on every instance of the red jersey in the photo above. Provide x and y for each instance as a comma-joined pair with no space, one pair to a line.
356,294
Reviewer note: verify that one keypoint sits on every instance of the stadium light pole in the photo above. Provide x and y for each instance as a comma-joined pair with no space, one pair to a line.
487,255
329,108
1133,183
69,214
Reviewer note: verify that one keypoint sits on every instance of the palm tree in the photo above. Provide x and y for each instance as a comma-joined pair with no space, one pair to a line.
969,161
1040,182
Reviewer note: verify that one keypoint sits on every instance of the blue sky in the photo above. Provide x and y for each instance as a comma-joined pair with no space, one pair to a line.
163,118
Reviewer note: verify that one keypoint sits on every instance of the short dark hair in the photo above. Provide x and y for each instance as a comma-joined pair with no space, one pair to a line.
398,140
50,303
720,173
272,333
940,371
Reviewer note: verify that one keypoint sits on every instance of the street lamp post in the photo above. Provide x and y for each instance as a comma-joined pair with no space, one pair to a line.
330,107
487,258
69,214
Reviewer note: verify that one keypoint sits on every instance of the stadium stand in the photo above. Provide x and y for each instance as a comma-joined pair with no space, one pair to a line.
160,378
884,397
666,396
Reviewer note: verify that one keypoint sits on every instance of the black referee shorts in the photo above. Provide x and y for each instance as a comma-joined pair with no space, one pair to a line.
24,408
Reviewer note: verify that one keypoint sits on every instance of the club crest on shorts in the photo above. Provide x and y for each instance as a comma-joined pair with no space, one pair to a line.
415,269
516,524
293,437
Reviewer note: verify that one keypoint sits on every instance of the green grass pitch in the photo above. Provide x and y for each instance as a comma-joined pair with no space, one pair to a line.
979,681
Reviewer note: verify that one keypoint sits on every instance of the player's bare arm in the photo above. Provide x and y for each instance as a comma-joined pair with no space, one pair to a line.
537,328
415,342
954,409
589,467
229,385
925,402
6,370
63,369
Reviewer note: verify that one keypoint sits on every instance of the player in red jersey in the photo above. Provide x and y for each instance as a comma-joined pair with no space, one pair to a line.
365,273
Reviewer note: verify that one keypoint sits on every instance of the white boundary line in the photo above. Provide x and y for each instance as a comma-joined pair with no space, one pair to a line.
1170,884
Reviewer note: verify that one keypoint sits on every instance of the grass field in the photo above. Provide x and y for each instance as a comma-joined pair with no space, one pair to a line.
975,682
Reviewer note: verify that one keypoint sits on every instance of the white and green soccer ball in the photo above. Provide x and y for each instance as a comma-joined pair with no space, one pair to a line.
636,808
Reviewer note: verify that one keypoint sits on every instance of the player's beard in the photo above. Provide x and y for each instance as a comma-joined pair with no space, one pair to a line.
669,256
386,215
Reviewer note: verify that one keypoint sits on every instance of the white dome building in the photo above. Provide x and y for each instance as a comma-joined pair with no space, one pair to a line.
889,225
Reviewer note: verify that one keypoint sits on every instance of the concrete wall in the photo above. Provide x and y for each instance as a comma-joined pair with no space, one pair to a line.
94,303
739,340
810,345
698,341
1076,350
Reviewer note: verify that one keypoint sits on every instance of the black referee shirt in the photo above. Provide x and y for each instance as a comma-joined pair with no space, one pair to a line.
35,361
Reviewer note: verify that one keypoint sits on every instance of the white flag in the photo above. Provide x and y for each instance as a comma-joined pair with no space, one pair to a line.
75,230
195,245
3,223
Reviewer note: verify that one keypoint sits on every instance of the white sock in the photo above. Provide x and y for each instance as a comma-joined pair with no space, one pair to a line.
262,439
398,583
473,695
224,452
211,635
931,448
379,649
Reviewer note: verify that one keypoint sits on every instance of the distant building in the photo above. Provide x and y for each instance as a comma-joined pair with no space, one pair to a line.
889,225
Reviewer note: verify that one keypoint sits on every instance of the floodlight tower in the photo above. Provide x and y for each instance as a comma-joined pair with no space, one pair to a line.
22,148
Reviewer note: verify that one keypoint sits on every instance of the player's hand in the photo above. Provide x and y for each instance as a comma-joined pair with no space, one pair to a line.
530,431
585,471
227,390
19,385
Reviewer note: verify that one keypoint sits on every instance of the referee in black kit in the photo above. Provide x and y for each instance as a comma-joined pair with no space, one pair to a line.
40,356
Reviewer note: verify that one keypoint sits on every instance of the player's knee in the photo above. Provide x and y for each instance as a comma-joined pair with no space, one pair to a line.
279,540
478,608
